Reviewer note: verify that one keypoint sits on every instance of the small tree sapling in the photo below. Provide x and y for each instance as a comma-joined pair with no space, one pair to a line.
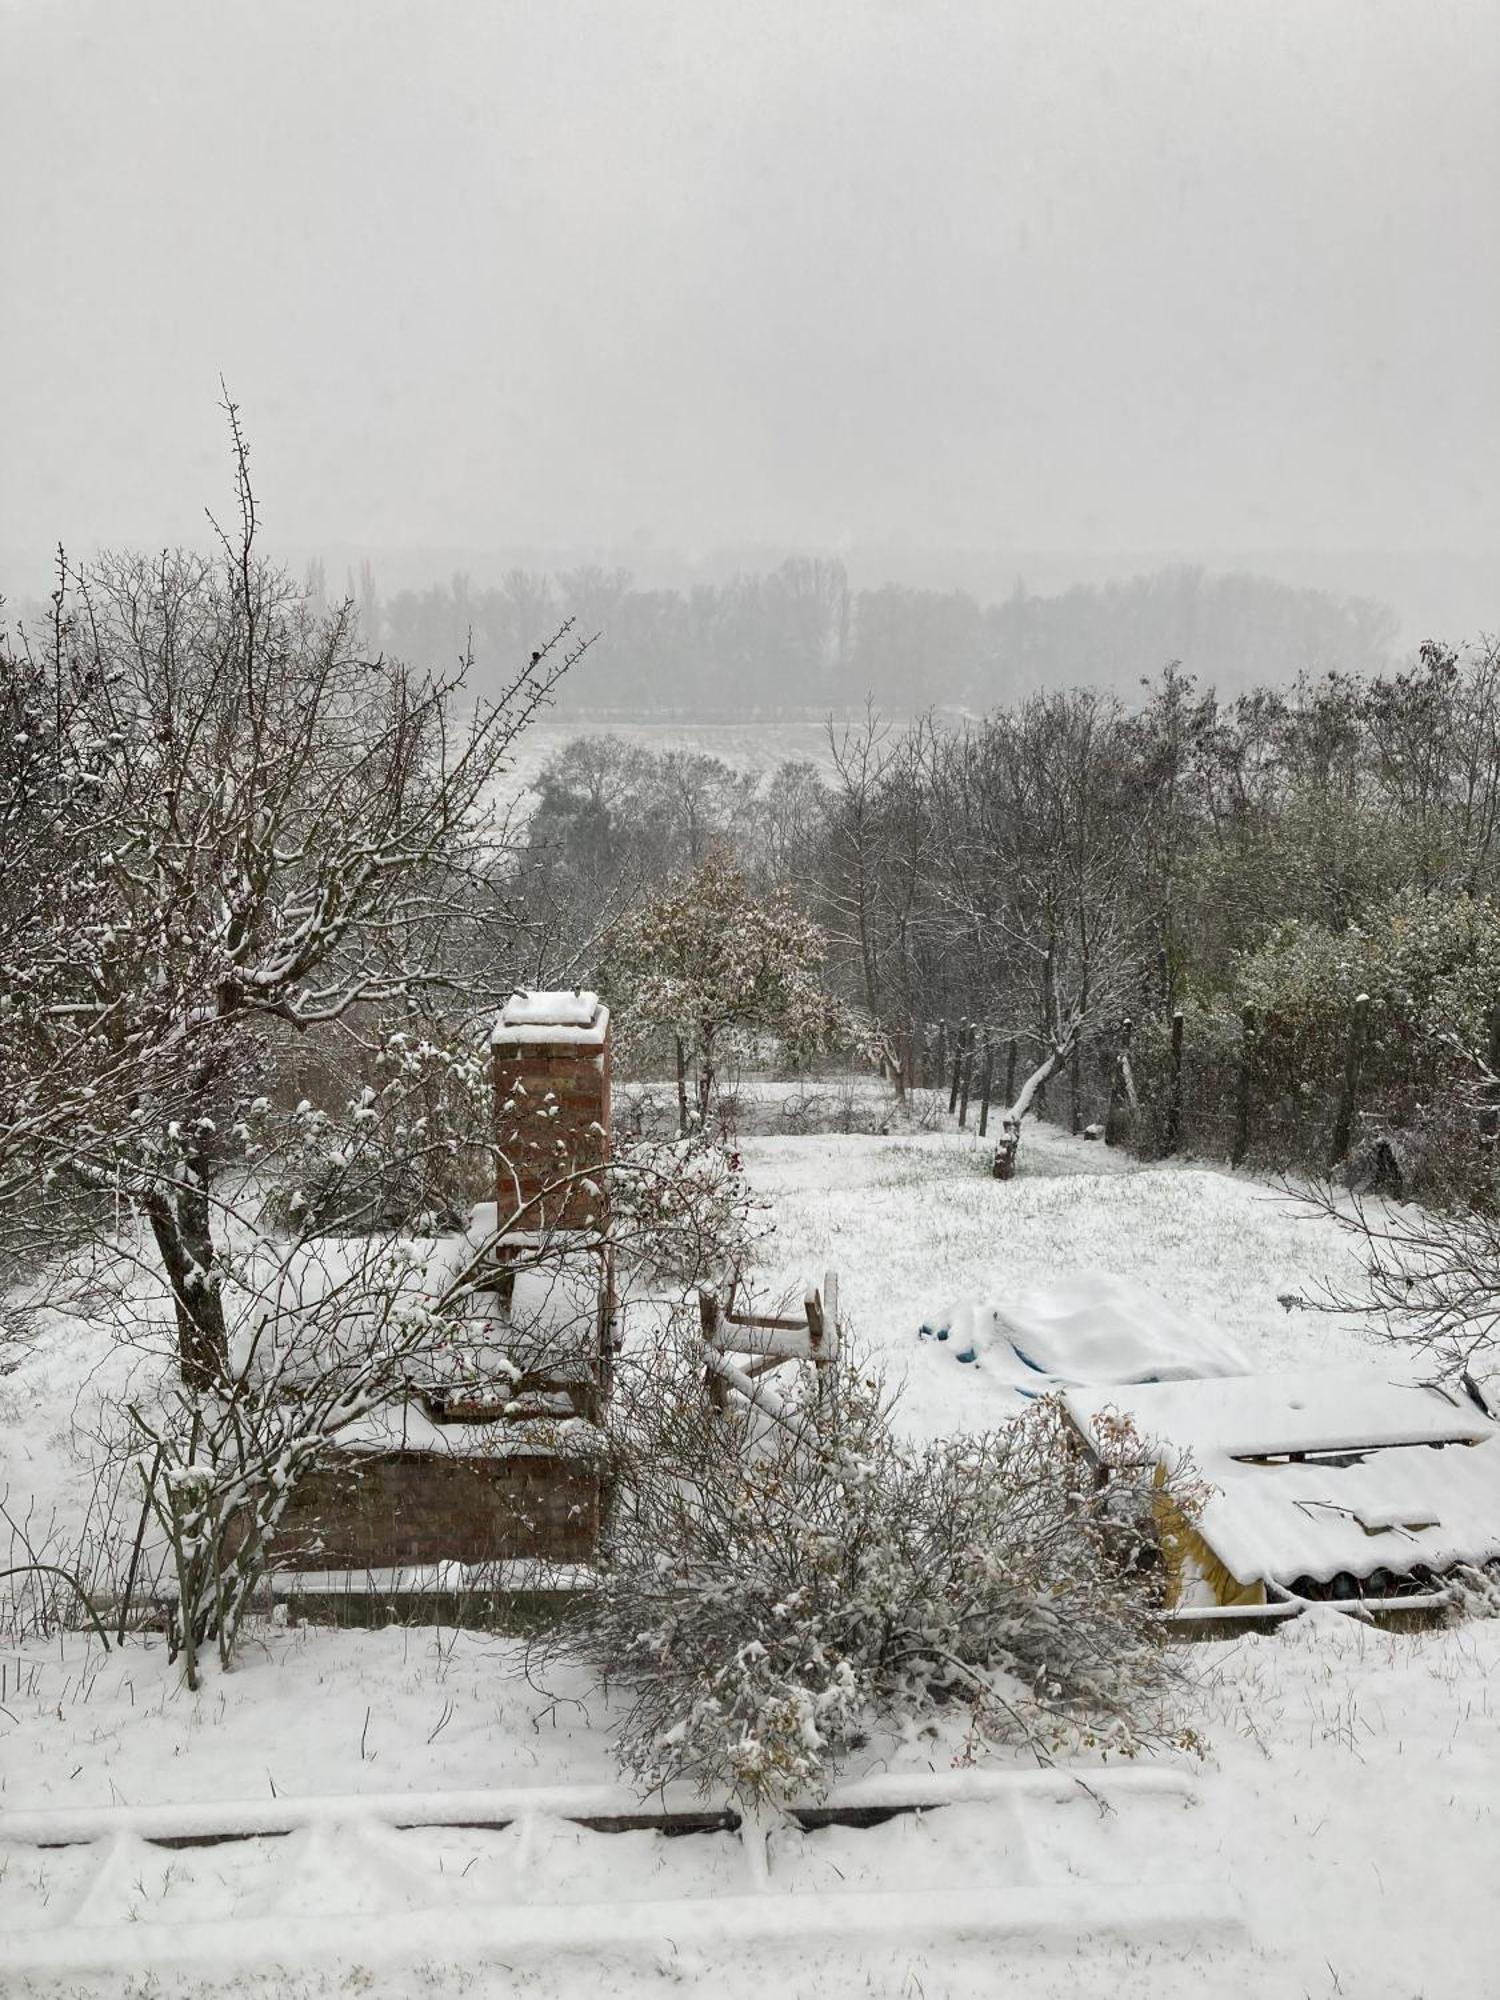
708,957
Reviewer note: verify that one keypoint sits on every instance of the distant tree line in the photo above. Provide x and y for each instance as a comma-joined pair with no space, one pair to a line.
1069,868
800,639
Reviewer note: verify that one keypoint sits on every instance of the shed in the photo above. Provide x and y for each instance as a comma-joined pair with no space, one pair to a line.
1332,1483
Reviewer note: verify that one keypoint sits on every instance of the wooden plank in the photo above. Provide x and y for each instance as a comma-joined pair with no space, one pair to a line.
798,1346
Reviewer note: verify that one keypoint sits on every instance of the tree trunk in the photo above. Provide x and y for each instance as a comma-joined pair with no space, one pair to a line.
705,1088
181,1223
1004,1162
682,1112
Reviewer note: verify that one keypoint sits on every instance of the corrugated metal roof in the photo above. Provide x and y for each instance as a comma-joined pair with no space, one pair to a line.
1403,1475
1394,1508
1245,1416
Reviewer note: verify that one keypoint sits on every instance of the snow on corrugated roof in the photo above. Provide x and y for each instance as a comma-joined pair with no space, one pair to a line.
552,1017
1410,1474
1391,1509
1246,1416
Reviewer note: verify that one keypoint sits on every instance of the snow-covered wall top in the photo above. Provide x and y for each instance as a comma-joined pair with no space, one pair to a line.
552,1017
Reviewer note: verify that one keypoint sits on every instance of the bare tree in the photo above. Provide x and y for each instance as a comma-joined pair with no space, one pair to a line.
255,831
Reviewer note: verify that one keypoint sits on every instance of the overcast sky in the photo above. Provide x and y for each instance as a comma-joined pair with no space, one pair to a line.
1078,274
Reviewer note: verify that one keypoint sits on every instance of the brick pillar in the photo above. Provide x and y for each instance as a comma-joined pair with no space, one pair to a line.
551,1065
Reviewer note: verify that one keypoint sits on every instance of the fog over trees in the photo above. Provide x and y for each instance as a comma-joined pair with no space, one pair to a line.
800,639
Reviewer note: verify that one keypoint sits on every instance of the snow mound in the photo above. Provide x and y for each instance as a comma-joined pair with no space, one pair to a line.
1090,1328
1095,1326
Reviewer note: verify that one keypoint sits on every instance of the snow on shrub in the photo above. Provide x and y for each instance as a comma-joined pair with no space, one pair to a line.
1430,966
707,962
684,1210
777,1593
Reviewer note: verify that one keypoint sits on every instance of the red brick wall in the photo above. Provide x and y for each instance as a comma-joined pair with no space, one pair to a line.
551,1119
375,1510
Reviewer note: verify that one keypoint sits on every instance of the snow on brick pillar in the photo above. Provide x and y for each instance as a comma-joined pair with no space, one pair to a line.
551,1057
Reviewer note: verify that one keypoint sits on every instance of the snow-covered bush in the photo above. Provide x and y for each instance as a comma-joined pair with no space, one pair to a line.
778,1593
1430,966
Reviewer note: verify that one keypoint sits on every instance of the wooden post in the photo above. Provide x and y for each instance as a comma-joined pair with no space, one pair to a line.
1112,1102
823,1334
1241,1143
682,1108
1010,1074
812,1307
1343,1124
986,1086
1489,1120
1172,1138
958,1063
708,1320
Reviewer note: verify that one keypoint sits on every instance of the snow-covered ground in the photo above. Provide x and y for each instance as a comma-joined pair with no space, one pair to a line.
1338,1834
914,1228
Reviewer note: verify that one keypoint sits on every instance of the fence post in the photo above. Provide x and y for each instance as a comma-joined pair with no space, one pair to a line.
1489,1119
1117,1064
1343,1124
958,1062
900,1062
1173,1135
708,1320
1242,1093
987,1086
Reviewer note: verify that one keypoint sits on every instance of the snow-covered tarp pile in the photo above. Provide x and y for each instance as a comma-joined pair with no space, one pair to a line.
1321,1473
1091,1327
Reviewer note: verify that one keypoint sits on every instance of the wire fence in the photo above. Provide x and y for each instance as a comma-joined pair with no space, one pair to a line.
1350,1093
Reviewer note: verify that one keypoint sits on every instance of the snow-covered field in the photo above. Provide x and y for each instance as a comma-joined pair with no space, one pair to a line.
1338,1834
